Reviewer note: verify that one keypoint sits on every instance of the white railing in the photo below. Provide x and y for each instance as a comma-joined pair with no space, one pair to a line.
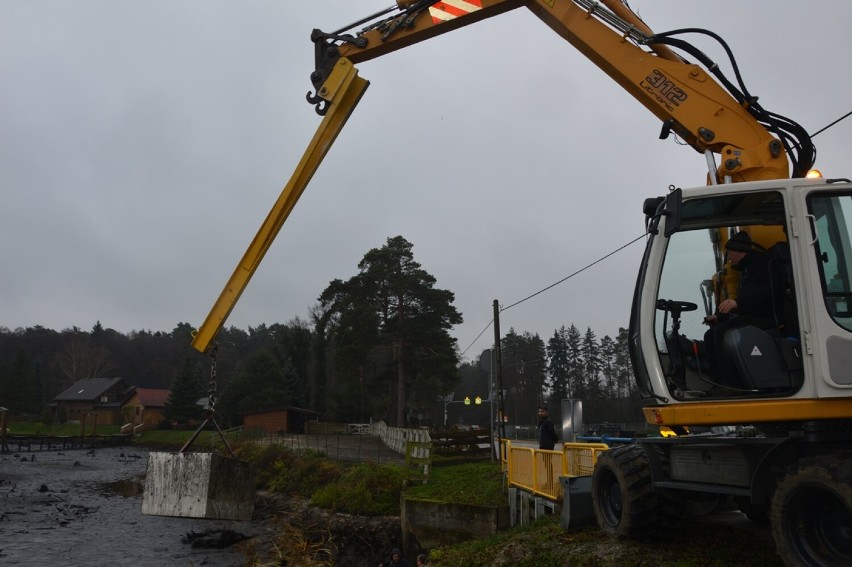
396,438
359,428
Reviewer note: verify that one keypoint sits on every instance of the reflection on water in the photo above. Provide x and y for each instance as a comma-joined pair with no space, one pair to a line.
127,488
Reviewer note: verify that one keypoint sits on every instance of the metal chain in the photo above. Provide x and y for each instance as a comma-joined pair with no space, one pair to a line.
211,387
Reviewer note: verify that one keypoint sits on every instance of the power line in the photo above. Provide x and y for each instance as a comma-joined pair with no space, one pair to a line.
832,124
566,278
477,337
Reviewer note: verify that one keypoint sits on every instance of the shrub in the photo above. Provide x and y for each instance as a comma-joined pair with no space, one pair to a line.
366,489
264,458
304,474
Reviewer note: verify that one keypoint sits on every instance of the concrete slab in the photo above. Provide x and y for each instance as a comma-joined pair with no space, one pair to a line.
198,485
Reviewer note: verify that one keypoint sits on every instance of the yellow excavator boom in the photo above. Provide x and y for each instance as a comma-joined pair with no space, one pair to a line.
343,90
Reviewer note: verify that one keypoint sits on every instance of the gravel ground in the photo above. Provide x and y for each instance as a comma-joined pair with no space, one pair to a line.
79,507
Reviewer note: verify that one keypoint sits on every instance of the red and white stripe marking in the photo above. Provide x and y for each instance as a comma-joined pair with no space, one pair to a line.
451,9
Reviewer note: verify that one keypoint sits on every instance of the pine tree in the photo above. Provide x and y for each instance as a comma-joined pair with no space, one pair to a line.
524,364
591,364
391,328
185,392
558,366
607,367
262,383
576,384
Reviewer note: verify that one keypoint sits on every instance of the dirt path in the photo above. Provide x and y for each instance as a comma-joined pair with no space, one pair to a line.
81,507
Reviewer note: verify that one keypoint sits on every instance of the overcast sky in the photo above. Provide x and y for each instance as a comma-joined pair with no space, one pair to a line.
142,143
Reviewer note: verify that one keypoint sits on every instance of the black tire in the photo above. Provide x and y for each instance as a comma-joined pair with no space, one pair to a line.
811,513
623,497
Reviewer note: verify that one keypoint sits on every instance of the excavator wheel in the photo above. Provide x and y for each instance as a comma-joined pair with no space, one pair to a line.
623,497
811,514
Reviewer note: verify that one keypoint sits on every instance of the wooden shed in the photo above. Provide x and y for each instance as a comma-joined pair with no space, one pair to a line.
280,420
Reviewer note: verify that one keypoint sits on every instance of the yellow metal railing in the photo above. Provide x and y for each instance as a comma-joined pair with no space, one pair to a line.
580,458
538,470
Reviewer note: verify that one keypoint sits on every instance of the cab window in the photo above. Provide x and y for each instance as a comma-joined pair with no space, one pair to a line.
832,218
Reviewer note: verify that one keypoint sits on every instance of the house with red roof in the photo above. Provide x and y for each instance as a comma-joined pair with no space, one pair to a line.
145,407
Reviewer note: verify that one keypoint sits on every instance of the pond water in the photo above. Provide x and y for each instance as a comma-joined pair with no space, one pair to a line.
79,507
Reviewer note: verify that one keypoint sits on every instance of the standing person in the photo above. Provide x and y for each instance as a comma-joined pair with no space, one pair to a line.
397,560
547,437
422,561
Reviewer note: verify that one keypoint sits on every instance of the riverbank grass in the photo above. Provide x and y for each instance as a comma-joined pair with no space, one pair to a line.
474,484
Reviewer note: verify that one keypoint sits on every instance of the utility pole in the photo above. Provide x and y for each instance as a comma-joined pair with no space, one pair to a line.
498,358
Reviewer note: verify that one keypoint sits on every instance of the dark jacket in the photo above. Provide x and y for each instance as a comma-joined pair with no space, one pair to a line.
755,289
547,437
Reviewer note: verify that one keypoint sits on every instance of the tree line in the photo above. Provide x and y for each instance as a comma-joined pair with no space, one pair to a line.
375,347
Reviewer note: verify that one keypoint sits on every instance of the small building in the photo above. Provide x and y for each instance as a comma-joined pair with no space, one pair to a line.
101,397
145,407
281,420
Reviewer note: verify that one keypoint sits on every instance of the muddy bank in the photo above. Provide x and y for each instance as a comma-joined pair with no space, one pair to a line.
80,507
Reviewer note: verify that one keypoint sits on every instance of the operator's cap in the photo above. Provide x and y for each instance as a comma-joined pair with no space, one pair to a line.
740,242
542,408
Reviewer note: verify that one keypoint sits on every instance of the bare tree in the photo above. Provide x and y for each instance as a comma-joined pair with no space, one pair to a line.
80,359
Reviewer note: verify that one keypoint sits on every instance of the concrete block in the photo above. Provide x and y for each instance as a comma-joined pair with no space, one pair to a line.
198,485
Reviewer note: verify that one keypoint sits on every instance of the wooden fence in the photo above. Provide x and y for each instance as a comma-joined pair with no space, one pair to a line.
29,443
466,444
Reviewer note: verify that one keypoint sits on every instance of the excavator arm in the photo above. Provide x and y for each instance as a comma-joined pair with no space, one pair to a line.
684,96
693,101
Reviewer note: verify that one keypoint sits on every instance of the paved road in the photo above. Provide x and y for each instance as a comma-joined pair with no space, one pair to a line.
342,446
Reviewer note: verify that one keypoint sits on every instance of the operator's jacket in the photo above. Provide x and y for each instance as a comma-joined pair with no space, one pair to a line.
755,307
757,293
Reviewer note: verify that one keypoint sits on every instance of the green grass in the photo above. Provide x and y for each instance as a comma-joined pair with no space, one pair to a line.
477,483
59,430
207,440
366,489
176,438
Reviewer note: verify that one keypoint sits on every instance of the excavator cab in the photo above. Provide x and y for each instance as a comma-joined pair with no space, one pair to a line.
695,255
796,226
